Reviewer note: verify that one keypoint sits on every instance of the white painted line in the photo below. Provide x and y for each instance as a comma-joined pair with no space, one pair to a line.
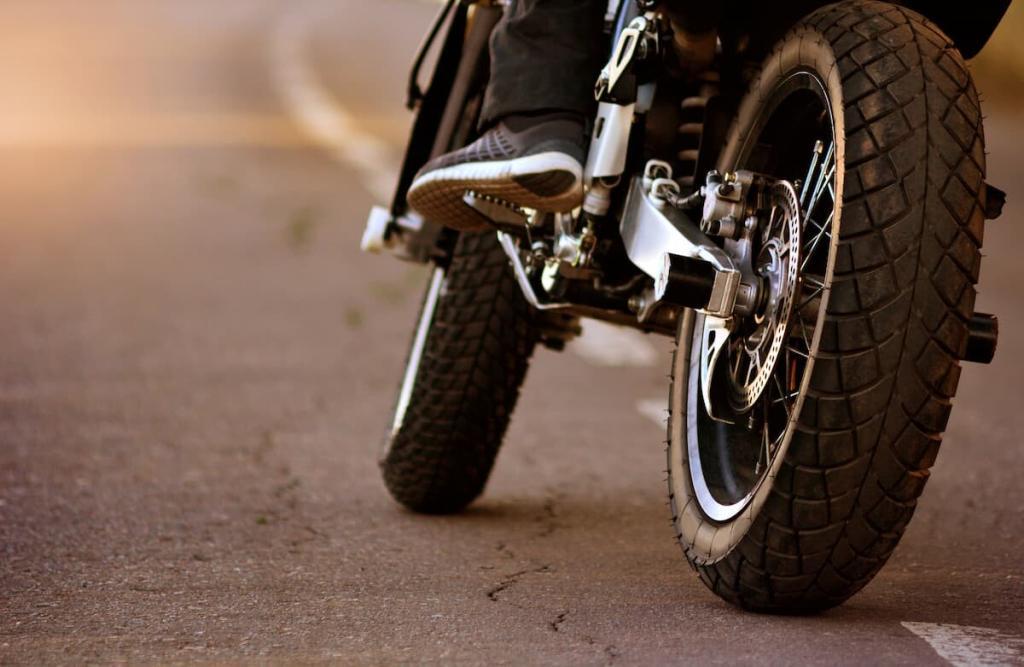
604,344
655,409
967,645
318,113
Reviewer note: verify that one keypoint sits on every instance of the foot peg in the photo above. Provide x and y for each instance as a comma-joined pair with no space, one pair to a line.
503,214
408,237
983,334
378,232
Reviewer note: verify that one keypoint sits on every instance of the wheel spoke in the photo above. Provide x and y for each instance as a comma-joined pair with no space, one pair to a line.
802,355
825,232
751,367
815,156
771,353
825,172
803,333
782,397
765,453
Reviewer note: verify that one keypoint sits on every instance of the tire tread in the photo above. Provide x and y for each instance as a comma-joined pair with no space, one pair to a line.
474,361
903,293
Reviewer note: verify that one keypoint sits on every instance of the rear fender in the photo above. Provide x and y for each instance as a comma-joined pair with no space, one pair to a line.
968,24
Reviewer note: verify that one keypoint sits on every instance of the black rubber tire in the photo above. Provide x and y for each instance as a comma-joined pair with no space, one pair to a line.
474,361
908,257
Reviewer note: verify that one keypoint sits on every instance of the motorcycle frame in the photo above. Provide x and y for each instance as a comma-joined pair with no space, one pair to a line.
448,110
464,49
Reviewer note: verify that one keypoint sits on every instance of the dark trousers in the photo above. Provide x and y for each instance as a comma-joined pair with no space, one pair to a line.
546,55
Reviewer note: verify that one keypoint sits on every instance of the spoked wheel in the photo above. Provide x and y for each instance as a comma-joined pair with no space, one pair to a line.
753,387
800,435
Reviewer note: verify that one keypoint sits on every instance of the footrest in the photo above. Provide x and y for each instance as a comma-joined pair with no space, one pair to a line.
377,231
501,213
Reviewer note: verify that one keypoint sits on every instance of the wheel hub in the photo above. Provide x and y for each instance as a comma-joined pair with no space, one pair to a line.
768,252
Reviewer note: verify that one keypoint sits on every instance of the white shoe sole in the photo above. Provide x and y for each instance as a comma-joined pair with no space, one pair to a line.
549,181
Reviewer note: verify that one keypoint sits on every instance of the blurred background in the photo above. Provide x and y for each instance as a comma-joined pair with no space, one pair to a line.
999,69
197,365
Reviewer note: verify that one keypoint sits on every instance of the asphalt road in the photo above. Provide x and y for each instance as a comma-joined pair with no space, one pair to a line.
197,365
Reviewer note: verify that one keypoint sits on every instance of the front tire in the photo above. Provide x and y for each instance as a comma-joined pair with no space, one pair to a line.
898,293
468,359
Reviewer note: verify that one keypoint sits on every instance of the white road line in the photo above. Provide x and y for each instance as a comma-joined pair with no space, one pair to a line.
318,113
604,344
655,409
966,645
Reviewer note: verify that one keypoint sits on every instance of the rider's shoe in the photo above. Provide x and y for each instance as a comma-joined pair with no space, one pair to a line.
532,162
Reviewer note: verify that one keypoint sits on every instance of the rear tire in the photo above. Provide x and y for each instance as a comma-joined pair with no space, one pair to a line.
907,235
462,380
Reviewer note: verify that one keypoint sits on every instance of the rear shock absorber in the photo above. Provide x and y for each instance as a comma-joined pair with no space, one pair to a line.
690,133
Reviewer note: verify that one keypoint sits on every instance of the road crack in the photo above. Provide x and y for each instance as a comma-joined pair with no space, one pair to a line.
503,549
548,518
494,593
556,625
611,651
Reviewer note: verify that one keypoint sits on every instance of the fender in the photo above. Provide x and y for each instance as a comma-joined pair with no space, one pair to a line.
969,24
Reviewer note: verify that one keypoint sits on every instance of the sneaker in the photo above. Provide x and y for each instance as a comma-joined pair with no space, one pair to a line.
529,161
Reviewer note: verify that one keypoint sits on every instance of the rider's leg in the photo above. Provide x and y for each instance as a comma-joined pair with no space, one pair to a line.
545,56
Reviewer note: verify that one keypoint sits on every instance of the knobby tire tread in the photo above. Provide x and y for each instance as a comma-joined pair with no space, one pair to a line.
897,322
474,362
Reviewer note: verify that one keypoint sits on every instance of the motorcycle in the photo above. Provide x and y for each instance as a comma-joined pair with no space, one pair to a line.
804,219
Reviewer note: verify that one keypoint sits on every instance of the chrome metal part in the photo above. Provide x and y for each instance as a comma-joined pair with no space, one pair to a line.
375,235
730,453
726,199
570,248
651,229
654,170
398,236
609,142
500,212
715,335
775,270
778,266
632,43
645,97
619,95
598,199
434,292
511,247
819,147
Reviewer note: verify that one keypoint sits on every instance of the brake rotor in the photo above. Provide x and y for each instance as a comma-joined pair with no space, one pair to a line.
755,341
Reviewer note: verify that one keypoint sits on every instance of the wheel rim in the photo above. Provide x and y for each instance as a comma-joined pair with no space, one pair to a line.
419,342
729,462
